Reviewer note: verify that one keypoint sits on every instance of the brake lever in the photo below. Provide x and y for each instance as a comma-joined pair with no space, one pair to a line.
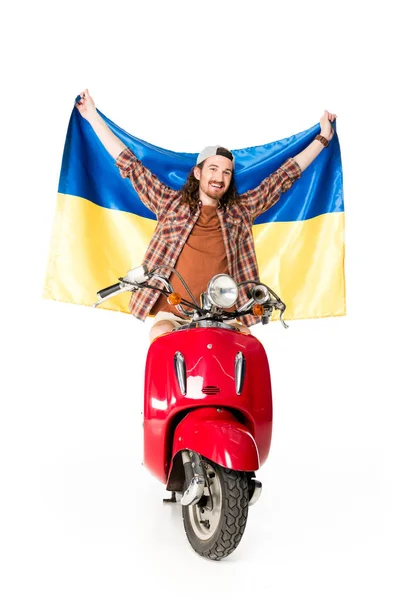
276,305
281,307
281,319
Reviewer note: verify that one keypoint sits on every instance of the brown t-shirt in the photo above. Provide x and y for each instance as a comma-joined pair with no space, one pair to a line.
202,257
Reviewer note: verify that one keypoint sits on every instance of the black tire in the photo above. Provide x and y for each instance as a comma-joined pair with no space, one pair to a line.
214,526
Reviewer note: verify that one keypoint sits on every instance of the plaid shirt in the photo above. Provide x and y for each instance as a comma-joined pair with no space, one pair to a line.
175,222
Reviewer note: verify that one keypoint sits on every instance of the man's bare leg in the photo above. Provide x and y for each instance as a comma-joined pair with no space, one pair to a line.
159,328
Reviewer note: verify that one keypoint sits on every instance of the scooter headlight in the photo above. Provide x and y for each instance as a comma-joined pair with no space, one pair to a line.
222,291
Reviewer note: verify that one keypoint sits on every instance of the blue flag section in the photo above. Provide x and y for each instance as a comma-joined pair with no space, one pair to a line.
102,229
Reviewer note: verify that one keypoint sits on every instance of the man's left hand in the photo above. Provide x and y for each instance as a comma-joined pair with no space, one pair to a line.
326,125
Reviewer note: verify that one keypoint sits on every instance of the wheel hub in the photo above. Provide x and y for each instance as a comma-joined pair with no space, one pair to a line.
206,515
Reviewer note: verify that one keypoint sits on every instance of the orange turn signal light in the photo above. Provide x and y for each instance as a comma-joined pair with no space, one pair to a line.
174,298
258,310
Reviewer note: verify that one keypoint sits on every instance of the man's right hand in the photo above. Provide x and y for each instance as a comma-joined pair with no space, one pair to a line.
86,106
88,111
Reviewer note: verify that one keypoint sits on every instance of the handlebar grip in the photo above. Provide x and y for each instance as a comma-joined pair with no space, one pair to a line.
109,290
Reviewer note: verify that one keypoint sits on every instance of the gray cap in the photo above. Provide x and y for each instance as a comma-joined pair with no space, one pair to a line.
215,151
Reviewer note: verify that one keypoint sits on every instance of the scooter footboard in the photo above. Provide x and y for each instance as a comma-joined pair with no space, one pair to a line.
216,434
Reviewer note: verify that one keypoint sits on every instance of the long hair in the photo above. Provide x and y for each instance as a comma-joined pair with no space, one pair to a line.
190,192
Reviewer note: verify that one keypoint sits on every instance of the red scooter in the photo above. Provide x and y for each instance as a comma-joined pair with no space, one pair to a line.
207,406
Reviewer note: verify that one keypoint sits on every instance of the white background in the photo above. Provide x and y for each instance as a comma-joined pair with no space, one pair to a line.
80,516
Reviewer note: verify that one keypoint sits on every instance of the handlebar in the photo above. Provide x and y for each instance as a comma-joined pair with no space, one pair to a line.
105,293
139,277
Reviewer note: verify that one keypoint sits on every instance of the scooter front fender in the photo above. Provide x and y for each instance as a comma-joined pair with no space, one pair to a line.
216,434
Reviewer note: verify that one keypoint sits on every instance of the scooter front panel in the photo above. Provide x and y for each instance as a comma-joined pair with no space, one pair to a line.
209,357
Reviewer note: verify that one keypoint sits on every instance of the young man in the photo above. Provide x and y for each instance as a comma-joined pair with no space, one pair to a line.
205,228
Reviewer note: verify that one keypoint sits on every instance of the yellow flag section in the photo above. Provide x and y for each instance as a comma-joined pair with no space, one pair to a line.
302,261
91,247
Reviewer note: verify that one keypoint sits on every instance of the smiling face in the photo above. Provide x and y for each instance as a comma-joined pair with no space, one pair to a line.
214,178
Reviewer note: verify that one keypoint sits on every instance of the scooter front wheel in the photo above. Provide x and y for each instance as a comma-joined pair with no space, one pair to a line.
215,524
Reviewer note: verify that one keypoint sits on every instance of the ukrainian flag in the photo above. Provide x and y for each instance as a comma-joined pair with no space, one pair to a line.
101,229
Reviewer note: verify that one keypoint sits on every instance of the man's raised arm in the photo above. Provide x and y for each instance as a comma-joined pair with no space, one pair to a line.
306,157
152,192
88,111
